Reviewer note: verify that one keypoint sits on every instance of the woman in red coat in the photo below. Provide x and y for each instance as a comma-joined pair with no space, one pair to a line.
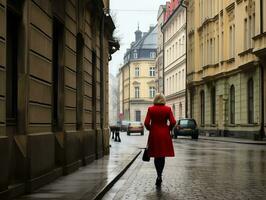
160,121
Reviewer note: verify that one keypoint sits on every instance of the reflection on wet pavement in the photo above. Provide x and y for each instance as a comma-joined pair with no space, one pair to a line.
200,170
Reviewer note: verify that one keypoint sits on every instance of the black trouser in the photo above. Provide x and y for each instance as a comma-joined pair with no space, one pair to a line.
159,165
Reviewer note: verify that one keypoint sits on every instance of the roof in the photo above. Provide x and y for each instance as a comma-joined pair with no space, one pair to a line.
148,41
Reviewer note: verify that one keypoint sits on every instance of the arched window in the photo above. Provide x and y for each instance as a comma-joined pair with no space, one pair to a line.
202,107
232,104
213,105
250,101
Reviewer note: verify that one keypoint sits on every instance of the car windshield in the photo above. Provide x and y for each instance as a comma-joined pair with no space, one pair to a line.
135,123
187,123
125,122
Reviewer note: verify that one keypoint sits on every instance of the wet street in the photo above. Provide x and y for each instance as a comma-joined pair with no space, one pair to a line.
200,170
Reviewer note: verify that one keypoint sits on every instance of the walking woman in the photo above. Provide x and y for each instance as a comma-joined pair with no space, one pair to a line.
159,121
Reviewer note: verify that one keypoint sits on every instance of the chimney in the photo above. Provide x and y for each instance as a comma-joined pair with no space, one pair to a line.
138,35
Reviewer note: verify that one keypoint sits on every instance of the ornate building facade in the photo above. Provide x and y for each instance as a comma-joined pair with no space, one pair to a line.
159,59
223,73
137,76
53,89
174,47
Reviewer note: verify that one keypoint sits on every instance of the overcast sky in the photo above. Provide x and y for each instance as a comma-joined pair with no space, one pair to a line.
127,14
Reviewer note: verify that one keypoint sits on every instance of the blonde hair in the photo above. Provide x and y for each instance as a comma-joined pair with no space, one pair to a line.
159,99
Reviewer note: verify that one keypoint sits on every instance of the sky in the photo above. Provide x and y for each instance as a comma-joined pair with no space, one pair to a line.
127,14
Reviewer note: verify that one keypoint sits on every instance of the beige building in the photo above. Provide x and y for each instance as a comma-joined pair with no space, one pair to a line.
260,51
53,89
137,76
174,31
159,59
223,74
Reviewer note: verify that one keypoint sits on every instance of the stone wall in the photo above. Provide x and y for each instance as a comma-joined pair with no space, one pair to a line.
61,104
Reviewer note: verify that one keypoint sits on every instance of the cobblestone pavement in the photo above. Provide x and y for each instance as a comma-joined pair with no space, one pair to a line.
201,170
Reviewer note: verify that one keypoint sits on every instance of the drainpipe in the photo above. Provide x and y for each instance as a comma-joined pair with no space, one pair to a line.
186,91
262,133
261,16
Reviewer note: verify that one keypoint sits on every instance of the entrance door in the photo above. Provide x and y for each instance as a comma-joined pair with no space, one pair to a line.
138,116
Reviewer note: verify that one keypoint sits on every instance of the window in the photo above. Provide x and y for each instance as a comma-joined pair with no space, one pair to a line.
136,92
246,34
202,108
135,55
213,105
58,44
152,92
137,72
138,115
12,57
222,47
230,42
232,104
152,55
152,71
250,101
79,79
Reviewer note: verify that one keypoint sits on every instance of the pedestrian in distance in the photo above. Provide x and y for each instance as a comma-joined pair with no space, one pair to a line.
159,121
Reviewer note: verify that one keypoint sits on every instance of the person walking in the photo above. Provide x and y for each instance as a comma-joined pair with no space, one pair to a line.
159,121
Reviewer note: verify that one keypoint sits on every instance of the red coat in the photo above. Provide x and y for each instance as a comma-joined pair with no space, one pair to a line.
160,142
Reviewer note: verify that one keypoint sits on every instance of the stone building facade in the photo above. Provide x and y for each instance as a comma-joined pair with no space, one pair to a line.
159,59
260,51
223,73
174,47
53,89
137,76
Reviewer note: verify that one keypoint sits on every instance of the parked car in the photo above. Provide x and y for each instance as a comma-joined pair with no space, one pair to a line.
186,127
135,127
124,125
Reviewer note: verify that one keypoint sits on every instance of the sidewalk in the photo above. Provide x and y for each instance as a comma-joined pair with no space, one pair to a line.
232,140
93,180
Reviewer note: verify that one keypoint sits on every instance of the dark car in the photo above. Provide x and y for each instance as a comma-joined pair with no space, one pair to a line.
135,127
186,127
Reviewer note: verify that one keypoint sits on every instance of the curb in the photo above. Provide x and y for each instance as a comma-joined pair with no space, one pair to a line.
111,183
231,141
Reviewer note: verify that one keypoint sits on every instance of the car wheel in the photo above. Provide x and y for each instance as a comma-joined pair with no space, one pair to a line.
142,133
128,133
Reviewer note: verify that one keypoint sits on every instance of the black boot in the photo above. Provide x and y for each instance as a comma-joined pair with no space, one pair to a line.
158,181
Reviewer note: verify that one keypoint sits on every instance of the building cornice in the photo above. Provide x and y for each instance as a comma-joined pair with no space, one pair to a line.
180,30
239,69
176,95
230,7
171,16
207,21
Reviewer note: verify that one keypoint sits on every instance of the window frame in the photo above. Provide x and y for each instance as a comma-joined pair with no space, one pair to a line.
232,104
250,101
137,89
137,72
202,107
